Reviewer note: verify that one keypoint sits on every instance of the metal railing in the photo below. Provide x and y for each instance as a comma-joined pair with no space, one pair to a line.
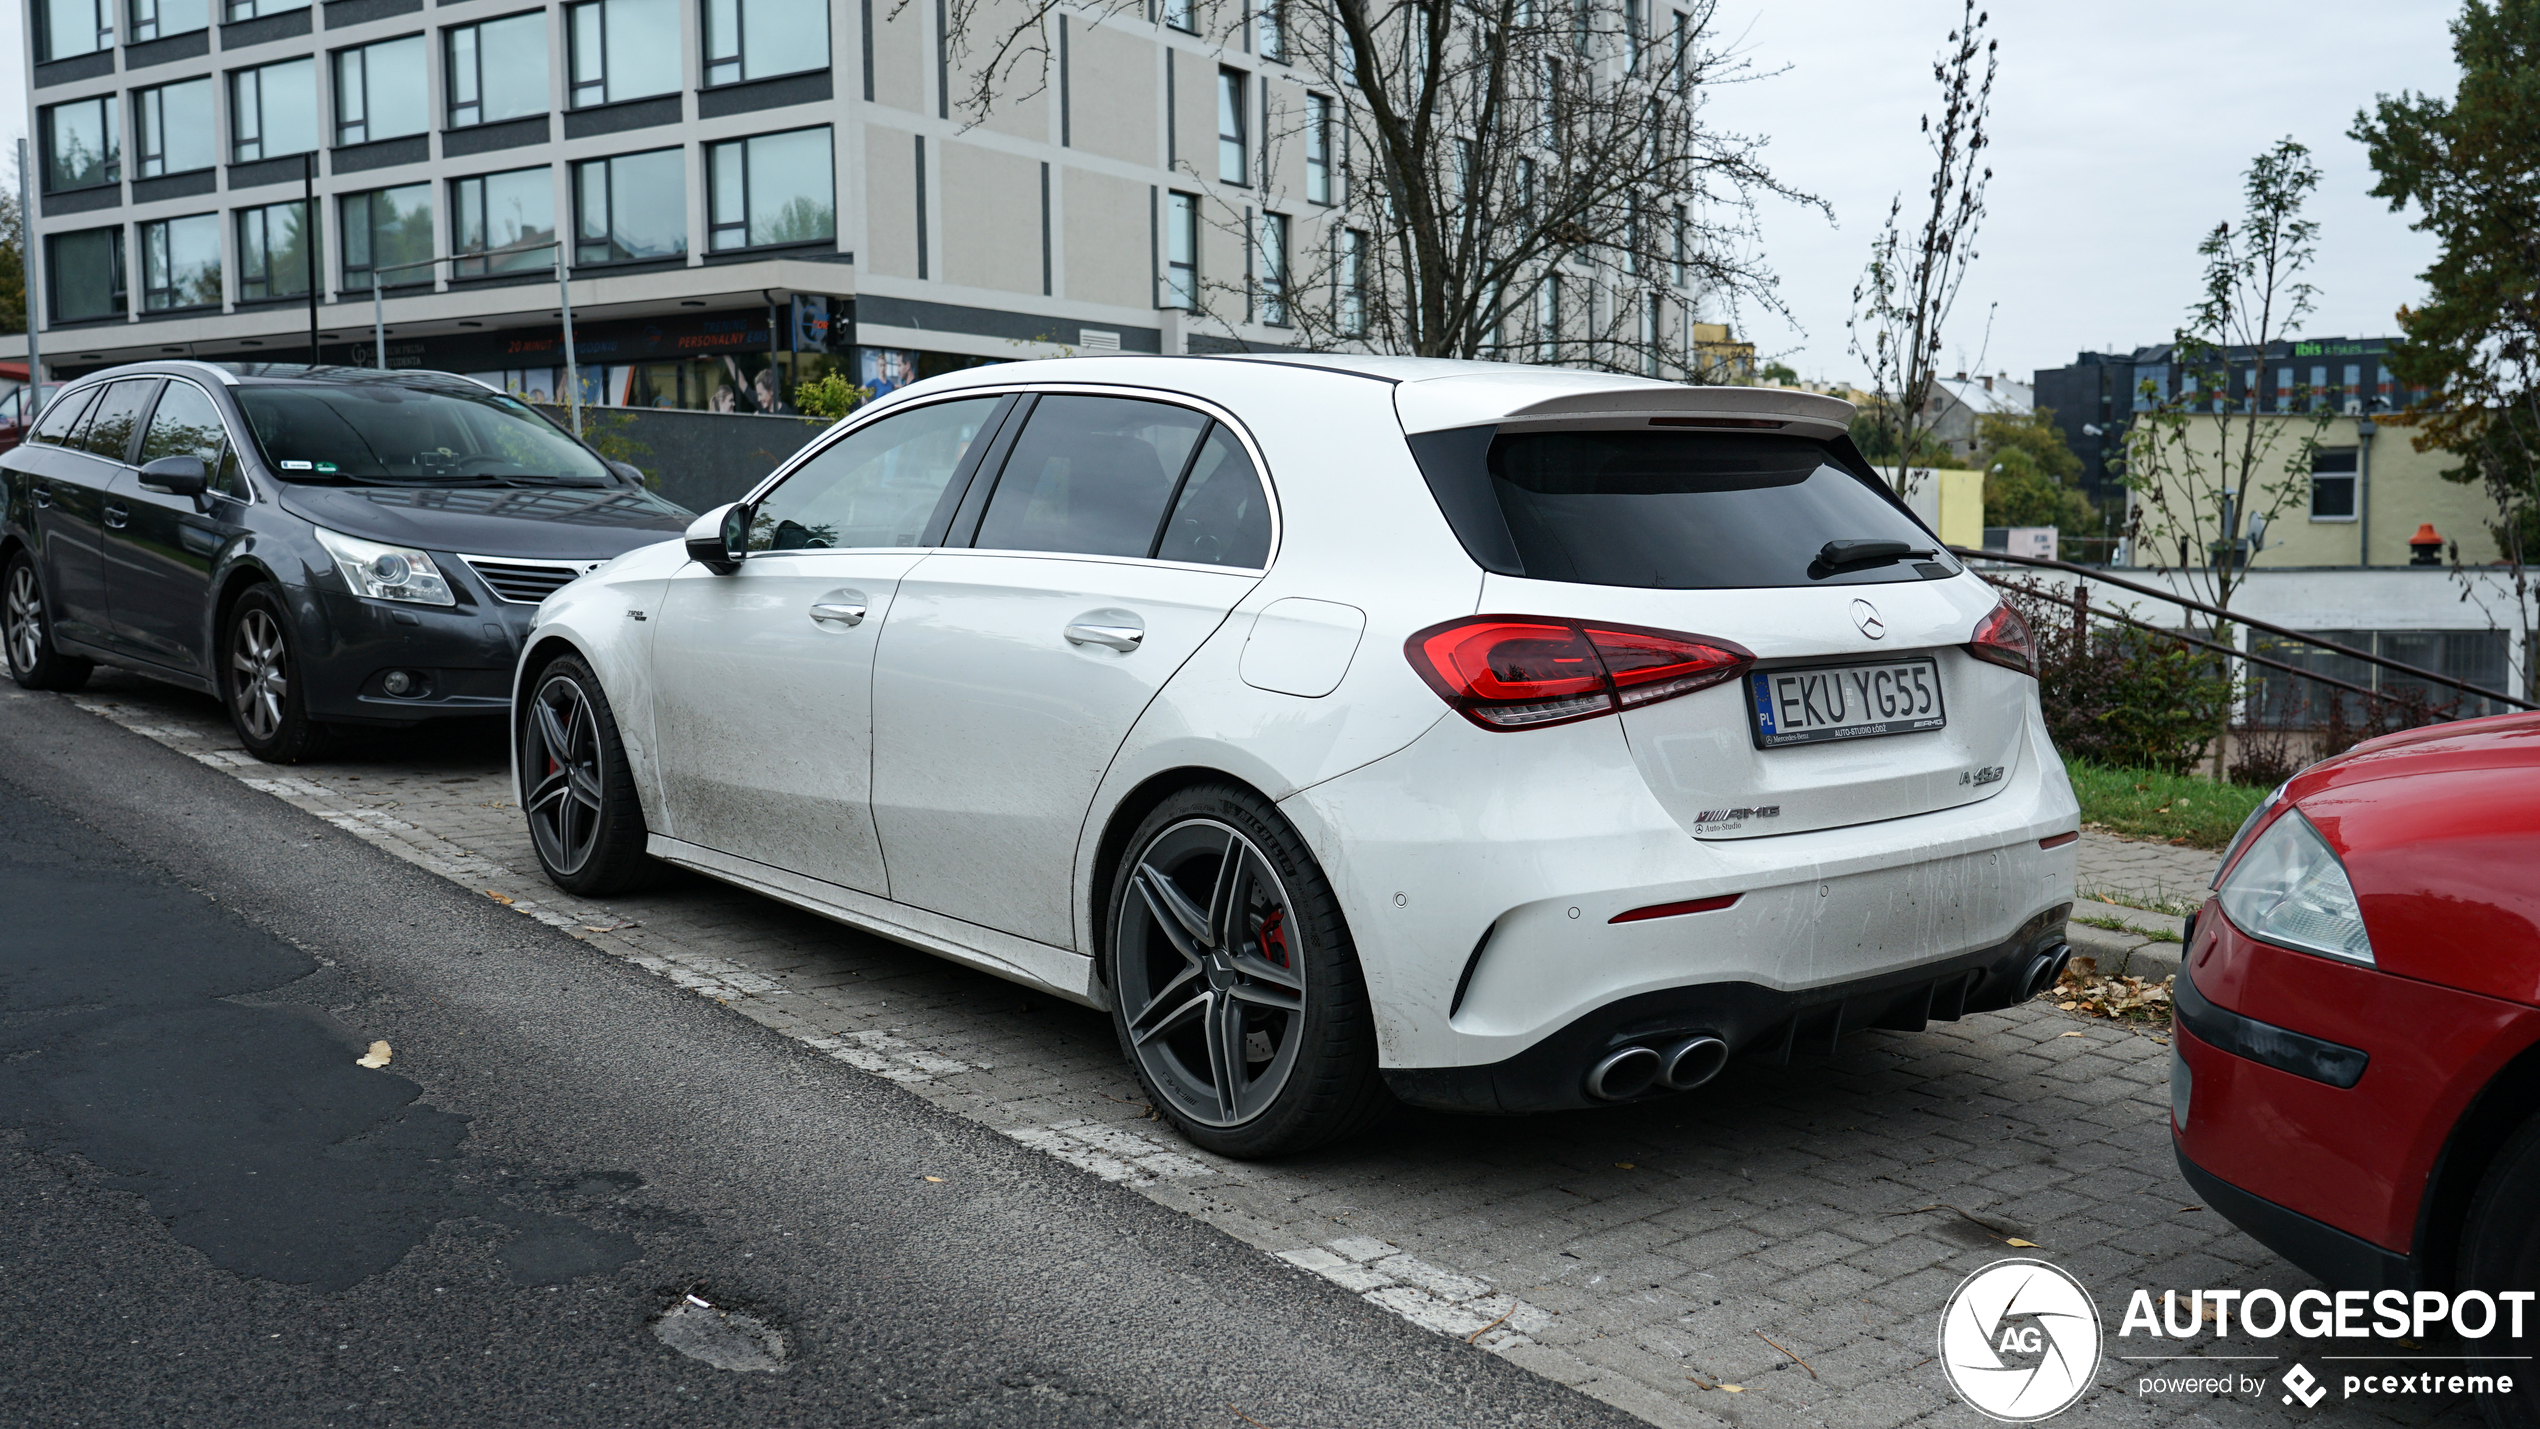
2084,611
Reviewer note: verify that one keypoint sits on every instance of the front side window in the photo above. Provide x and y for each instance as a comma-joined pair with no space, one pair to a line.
1232,163
622,49
1181,251
880,486
1274,269
2333,484
87,274
380,91
498,70
771,189
1318,149
185,423
158,19
387,236
258,9
755,39
172,129
631,208
1091,476
503,223
273,111
180,263
80,145
390,432
277,255
76,27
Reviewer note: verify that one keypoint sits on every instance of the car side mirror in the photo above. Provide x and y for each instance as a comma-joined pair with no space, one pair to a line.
720,538
177,475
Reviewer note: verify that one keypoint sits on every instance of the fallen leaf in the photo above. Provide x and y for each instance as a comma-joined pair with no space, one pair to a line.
1734,1388
377,1056
937,1179
502,898
2022,1244
1622,1166
2191,1208
2072,1034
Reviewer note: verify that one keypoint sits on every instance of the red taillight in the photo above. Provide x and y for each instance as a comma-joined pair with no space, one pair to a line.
1671,910
1523,671
2003,638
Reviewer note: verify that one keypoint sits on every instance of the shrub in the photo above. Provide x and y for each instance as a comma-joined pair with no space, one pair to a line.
2118,696
831,396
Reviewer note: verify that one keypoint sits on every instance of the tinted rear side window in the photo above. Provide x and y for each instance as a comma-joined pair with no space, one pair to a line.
54,423
110,430
1663,510
1090,476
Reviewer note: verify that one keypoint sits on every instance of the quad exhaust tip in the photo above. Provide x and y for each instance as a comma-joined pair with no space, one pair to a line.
2044,969
1627,1072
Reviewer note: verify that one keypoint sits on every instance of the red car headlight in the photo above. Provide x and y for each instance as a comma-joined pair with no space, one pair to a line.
2290,889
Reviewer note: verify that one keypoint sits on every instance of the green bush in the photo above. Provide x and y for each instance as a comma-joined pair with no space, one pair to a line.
831,396
2121,697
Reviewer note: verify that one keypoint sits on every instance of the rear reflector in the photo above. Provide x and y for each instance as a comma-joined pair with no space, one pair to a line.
1507,672
1670,910
2059,840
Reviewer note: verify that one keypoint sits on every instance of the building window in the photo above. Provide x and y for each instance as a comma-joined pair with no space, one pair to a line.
87,274
1650,317
1273,27
1353,283
1232,164
1632,12
1551,101
2278,700
1683,39
631,208
2333,484
503,223
275,257
753,39
622,49
1635,229
1181,251
1274,269
180,263
498,70
1179,15
76,27
1677,254
80,145
1318,149
1548,319
387,236
158,19
771,189
2283,390
379,91
258,9
172,129
273,111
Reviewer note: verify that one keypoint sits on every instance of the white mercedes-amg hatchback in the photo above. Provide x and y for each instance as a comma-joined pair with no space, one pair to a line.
1354,729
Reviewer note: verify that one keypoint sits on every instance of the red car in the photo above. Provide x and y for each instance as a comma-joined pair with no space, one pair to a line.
2357,1072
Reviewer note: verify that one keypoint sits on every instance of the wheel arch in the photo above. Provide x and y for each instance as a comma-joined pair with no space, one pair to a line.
2501,1108
1123,820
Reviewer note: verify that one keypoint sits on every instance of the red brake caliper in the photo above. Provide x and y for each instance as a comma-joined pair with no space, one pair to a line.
1274,938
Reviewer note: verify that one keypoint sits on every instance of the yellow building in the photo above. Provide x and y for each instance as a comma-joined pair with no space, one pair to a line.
1725,360
2362,495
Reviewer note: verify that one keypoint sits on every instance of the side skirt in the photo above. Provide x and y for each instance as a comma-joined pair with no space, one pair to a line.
1057,971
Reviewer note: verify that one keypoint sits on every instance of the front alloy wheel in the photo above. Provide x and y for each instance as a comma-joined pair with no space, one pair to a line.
576,787
261,681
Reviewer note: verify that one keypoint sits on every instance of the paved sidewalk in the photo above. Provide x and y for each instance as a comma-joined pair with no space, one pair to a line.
1792,1231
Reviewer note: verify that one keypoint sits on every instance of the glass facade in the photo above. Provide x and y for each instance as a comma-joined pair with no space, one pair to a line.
80,148
622,49
380,91
631,208
86,270
180,263
387,232
759,39
172,129
72,28
497,70
277,255
503,223
158,19
273,111
771,189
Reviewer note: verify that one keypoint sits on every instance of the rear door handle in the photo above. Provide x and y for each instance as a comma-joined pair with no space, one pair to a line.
117,517
1117,629
43,496
840,607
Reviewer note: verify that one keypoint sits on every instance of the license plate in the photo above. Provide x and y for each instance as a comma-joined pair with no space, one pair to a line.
1845,702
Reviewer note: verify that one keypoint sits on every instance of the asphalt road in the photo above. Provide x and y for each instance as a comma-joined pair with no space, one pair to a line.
210,1214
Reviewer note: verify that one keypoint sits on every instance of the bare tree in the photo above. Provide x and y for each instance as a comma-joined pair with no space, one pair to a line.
1901,306
1527,179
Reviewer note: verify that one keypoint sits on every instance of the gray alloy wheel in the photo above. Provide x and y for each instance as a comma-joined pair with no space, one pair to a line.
259,674
1212,985
560,772
24,638
26,617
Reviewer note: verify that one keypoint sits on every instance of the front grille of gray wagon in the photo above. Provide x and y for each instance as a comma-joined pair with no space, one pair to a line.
526,582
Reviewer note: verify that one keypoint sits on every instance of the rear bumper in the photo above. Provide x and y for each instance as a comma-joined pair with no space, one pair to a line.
1760,1022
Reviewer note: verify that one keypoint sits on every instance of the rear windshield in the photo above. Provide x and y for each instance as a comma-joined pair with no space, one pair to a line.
1665,510
382,432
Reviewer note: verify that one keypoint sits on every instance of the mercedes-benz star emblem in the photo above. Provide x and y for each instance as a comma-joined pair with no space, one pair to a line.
1866,616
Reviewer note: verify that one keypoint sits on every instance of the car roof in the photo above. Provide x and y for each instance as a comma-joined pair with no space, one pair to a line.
249,374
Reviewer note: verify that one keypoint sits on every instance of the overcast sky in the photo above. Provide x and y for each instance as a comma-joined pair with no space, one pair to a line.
2120,133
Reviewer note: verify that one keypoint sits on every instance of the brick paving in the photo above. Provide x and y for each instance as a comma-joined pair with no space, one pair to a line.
1789,1231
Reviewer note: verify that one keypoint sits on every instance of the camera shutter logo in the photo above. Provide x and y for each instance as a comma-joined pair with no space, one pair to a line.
2020,1341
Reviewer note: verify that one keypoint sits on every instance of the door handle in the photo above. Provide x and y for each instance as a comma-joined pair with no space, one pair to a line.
43,496
1114,628
842,612
117,518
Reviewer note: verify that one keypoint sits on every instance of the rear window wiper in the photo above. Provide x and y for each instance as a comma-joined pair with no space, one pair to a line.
1852,555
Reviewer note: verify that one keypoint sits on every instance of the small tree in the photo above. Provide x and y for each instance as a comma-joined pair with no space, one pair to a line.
1902,303
2030,473
2472,166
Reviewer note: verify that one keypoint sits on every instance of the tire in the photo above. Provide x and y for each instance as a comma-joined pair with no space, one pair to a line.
33,662
1226,952
577,791
261,684
2500,1250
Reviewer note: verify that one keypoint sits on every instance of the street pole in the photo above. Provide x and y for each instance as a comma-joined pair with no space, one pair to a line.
572,371
378,323
26,265
309,226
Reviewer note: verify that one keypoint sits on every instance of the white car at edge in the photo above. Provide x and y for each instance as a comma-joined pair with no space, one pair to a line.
1481,737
